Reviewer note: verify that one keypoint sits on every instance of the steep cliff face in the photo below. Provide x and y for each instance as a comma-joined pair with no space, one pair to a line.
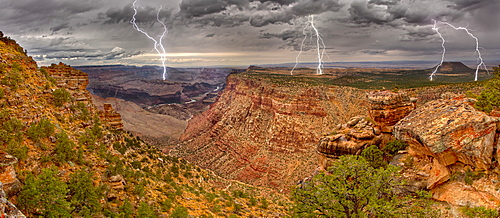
265,132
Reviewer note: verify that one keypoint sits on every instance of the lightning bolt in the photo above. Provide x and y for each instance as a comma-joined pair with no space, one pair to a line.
158,46
320,46
480,58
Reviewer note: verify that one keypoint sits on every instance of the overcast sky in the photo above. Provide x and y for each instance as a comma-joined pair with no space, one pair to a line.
245,32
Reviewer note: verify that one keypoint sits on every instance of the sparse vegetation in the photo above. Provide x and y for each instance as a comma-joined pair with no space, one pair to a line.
489,99
61,96
43,129
479,212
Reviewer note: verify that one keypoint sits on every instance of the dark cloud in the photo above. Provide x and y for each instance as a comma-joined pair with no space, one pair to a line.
469,4
198,8
60,27
145,14
39,13
281,2
258,13
374,51
115,53
397,13
308,7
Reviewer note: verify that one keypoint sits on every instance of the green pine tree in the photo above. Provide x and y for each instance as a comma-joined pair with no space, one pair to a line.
84,195
45,195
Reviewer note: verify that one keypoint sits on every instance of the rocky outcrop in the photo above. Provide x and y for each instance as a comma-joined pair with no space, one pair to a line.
264,133
8,177
111,117
7,208
350,138
448,138
387,107
73,80
450,130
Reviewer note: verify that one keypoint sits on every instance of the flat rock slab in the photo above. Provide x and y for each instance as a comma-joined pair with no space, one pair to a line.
452,130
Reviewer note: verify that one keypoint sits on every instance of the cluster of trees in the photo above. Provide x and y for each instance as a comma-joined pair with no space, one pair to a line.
353,187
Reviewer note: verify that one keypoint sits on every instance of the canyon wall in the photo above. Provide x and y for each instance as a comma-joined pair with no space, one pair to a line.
265,132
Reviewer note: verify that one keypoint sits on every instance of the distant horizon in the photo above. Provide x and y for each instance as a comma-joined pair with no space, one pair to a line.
340,64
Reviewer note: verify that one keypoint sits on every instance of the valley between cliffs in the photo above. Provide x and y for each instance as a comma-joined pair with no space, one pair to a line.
264,131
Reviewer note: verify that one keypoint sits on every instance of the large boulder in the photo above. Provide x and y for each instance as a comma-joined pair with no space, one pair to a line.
350,138
387,107
450,130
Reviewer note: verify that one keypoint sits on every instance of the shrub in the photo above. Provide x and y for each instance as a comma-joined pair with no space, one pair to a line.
145,211
64,148
393,147
179,212
45,195
19,151
84,195
126,210
42,129
353,188
61,96
374,156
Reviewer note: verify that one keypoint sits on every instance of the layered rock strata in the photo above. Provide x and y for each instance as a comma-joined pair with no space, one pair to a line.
73,80
264,133
111,117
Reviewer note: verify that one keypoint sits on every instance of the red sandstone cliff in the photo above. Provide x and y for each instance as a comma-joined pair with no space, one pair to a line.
264,133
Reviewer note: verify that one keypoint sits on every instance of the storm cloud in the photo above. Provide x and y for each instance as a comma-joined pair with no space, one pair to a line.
260,31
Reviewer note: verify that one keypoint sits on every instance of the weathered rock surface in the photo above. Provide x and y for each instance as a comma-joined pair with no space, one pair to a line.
264,133
460,194
387,107
71,79
450,130
8,209
8,177
350,139
111,117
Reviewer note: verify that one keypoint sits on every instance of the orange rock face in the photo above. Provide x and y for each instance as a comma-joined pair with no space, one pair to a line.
387,107
264,133
460,194
452,130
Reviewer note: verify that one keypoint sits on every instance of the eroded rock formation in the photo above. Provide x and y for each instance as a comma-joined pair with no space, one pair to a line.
111,117
386,109
73,80
449,137
450,130
264,133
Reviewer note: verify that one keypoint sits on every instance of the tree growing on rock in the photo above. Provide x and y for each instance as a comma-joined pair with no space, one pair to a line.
353,188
